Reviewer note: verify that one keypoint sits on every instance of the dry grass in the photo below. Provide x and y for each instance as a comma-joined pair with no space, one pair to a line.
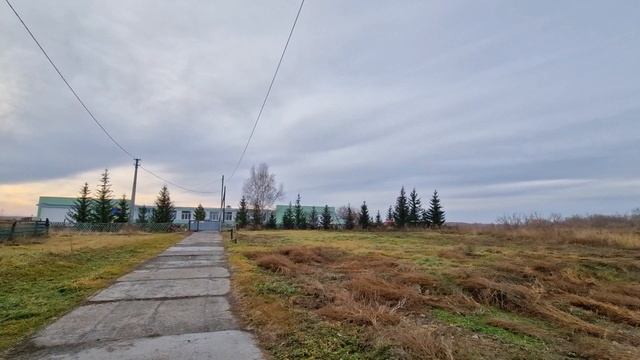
276,262
344,307
622,238
421,342
414,294
613,312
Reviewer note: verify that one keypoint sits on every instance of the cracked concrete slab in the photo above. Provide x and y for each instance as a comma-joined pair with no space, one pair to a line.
181,264
219,345
180,258
135,319
203,249
186,251
169,274
155,289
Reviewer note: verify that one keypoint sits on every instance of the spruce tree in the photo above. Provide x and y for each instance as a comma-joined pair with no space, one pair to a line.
164,211
103,204
288,219
300,218
364,216
390,214
426,221
81,210
123,210
378,220
313,219
349,221
415,209
199,214
435,214
326,218
401,213
272,223
241,216
143,214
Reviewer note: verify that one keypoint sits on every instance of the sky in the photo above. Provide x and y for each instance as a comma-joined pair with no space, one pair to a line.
502,106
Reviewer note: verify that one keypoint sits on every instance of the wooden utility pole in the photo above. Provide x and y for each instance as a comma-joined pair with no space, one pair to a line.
222,203
133,192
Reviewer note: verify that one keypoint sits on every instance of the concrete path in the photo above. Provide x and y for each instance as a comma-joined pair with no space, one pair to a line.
172,307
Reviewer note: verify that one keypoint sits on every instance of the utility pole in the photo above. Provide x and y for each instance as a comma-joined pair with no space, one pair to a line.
133,192
222,203
224,200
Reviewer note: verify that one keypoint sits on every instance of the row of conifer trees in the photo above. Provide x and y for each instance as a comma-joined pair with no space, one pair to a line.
100,208
407,212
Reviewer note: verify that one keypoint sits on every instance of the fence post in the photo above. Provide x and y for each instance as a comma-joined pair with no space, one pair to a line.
13,230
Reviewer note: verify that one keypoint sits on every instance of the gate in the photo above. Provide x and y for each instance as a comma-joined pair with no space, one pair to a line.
205,225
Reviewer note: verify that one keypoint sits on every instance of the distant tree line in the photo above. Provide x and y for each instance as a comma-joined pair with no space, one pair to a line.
104,209
407,213
294,217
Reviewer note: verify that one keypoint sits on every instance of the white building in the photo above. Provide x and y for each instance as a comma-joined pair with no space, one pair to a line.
56,209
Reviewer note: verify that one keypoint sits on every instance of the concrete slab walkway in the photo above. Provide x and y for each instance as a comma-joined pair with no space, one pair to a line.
174,306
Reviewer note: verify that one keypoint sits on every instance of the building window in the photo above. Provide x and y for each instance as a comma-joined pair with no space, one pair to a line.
214,216
186,215
228,216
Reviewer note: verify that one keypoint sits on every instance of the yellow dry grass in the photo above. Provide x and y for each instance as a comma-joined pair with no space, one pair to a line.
515,295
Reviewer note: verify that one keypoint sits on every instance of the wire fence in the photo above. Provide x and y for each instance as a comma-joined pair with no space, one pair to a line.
19,231
116,227
15,231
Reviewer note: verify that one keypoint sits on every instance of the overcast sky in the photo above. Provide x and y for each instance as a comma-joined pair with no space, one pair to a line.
503,106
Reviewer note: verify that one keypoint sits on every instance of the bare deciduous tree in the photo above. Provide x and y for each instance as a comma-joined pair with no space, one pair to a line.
261,191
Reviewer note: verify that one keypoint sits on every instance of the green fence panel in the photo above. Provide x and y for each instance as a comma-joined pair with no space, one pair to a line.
19,230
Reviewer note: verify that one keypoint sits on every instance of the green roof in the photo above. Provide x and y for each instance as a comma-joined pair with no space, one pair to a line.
56,201
65,201
280,209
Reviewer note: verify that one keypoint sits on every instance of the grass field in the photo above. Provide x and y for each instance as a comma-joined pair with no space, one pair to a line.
439,295
39,282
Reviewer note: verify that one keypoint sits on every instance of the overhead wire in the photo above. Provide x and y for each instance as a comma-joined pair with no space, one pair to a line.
174,184
266,97
86,108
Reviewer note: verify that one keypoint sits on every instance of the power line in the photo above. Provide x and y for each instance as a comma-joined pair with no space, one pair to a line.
69,85
95,120
266,97
174,184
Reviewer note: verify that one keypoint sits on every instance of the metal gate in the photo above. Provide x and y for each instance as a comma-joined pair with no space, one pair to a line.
205,225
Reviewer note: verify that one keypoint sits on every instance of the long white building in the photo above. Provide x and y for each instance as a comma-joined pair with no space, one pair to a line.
56,209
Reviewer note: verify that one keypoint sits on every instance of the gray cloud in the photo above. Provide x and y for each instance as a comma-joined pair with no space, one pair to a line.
502,106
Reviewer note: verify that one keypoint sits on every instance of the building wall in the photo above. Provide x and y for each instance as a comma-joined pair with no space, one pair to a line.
58,213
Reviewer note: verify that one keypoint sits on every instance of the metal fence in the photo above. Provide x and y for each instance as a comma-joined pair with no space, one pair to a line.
204,225
117,227
20,230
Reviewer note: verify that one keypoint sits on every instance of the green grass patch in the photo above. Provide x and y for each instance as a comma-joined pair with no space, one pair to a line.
477,323
276,287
